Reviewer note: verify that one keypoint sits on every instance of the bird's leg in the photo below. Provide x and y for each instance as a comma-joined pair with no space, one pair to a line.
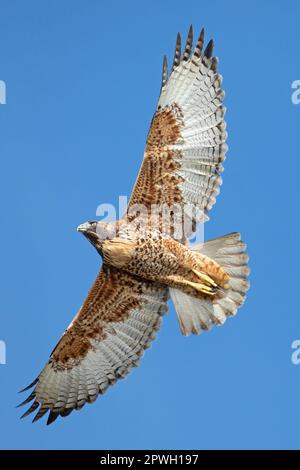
181,282
212,270
198,286
205,278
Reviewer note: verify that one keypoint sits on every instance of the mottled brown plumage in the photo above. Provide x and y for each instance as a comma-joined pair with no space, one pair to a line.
157,182
146,254
113,295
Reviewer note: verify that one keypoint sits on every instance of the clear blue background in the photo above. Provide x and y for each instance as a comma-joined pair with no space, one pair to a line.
82,83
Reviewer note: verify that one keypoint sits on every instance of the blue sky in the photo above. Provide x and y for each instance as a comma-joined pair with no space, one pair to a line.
82,83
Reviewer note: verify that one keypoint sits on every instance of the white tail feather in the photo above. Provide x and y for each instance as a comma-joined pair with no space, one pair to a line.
195,315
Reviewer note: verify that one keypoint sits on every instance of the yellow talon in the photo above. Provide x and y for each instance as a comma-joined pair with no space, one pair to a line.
200,287
204,278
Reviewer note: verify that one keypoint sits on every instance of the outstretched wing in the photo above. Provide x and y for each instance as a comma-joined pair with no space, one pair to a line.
186,140
116,323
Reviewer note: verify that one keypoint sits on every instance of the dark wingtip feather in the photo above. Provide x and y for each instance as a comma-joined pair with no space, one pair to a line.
209,49
40,413
189,44
29,386
164,72
33,407
214,64
52,417
177,54
66,412
28,399
199,44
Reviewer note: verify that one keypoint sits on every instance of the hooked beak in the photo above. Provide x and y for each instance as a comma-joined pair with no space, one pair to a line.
90,231
83,227
88,228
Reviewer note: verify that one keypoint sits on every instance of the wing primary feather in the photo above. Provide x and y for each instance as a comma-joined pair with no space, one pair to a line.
29,386
214,63
66,412
164,72
33,407
40,414
199,44
177,54
28,399
209,49
52,417
189,45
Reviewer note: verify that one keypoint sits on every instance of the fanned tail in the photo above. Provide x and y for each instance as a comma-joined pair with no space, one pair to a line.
197,315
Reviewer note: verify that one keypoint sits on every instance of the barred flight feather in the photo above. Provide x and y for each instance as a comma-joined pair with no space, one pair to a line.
192,132
72,378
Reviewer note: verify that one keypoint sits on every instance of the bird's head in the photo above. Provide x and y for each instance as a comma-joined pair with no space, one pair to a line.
96,232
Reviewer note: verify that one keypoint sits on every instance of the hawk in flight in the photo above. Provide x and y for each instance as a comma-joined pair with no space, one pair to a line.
144,258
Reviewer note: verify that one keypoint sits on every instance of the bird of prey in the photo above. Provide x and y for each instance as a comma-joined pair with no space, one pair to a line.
146,259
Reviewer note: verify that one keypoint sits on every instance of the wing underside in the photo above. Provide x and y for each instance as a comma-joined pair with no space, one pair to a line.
116,323
186,141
